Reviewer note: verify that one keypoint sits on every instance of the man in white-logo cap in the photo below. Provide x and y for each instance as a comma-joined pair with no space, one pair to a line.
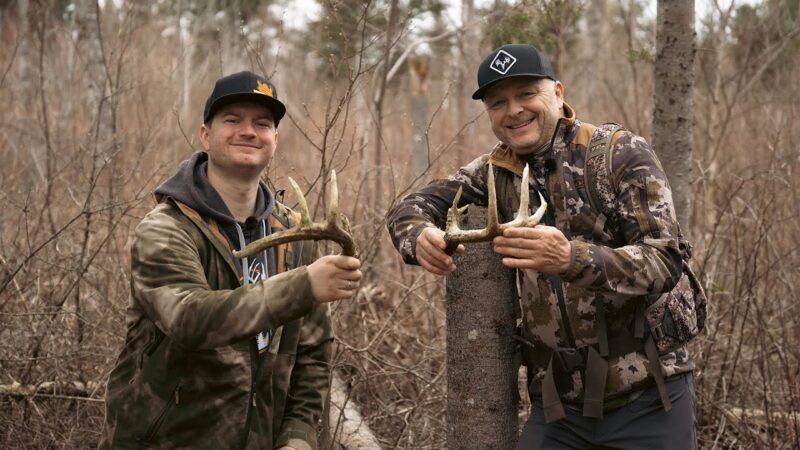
608,302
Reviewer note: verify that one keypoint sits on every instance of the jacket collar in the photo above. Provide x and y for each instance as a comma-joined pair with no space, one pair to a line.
213,234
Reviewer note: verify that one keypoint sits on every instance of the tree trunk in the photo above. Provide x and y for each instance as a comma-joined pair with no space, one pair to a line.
377,204
596,44
100,138
481,373
24,64
466,69
95,79
419,111
672,115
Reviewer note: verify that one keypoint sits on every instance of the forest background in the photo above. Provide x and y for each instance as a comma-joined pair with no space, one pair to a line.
101,103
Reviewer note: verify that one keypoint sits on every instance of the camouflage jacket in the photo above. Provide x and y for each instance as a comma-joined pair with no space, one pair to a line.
190,374
632,255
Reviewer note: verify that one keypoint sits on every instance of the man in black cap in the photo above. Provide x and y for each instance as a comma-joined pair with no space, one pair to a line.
223,352
607,300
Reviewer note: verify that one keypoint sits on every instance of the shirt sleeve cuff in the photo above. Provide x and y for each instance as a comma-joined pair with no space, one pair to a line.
578,260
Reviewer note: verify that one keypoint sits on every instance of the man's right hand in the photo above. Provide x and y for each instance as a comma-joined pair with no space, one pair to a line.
334,277
430,252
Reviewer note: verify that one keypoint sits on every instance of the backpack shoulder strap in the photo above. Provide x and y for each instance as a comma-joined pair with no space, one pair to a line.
597,171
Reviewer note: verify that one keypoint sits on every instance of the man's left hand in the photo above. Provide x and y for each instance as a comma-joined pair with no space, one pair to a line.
541,248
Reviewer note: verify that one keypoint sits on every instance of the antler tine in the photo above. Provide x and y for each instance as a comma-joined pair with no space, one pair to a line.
537,216
524,194
349,247
305,217
492,219
454,213
454,235
307,230
333,210
523,218
452,228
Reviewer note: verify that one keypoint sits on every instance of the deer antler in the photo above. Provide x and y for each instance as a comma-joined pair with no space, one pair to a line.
306,230
454,235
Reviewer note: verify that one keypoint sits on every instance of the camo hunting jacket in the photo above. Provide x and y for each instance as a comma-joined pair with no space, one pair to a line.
190,374
616,262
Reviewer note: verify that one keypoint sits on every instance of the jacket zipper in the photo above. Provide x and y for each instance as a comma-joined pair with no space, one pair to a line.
255,370
156,425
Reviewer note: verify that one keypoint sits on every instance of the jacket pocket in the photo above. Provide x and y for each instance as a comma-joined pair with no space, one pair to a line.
158,423
673,317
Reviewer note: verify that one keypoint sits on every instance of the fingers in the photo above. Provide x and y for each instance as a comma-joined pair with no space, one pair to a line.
343,267
348,275
523,263
437,270
334,277
542,248
346,262
430,252
348,287
523,238
526,232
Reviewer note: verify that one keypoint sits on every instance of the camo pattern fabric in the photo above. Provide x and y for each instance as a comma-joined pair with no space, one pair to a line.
677,316
190,374
633,256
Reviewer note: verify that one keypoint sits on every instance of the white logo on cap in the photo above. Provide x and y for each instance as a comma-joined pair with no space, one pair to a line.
502,62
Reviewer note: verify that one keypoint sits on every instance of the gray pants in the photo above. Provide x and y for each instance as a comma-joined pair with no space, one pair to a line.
641,424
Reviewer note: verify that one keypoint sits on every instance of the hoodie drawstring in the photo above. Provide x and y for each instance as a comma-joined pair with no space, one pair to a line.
264,338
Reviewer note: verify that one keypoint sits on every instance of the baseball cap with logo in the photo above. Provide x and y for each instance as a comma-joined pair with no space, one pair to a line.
512,60
244,87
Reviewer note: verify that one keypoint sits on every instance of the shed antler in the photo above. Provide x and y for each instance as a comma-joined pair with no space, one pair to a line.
330,229
454,235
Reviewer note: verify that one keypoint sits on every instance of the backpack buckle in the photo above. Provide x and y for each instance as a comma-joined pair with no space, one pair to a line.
658,332
570,359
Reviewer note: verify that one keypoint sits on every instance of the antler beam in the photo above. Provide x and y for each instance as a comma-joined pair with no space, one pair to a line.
455,235
330,229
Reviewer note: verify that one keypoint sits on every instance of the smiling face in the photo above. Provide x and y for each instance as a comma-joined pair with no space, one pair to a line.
240,140
524,112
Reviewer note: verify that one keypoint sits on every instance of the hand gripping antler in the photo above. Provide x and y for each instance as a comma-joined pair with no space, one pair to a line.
453,235
306,230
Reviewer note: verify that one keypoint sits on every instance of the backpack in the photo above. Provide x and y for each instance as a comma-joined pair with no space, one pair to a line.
672,318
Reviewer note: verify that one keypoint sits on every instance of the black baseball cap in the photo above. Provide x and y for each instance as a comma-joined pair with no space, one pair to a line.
512,60
244,87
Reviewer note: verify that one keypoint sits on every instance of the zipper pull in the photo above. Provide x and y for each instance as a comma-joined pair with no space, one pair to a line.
178,395
254,399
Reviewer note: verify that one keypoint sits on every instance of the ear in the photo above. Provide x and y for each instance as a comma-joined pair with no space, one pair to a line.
559,89
203,134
